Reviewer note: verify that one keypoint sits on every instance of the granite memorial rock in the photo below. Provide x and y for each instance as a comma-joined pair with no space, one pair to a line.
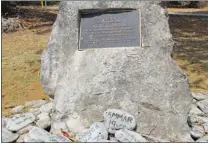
89,67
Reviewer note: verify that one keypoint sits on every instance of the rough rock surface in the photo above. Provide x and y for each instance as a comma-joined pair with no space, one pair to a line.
125,135
143,81
8,136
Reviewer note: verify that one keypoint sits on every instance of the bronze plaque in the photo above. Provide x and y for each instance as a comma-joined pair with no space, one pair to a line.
110,29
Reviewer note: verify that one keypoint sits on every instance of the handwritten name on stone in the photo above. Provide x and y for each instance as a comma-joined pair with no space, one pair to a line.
19,121
116,119
60,138
8,136
97,131
125,135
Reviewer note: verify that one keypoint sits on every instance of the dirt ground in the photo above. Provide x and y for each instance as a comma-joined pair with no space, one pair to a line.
21,51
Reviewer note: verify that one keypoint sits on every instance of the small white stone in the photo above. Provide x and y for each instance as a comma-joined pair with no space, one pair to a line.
4,121
56,127
25,129
8,136
203,139
197,132
205,127
41,115
17,109
21,138
203,105
47,107
27,138
34,111
199,96
195,119
196,111
96,132
35,103
20,121
73,124
125,135
44,122
117,119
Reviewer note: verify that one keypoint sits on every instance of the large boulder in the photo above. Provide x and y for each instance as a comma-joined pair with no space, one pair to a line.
143,81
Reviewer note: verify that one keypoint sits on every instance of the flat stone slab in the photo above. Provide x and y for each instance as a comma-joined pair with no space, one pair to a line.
20,121
125,135
8,136
35,103
117,119
42,135
96,132
199,96
196,111
203,139
17,109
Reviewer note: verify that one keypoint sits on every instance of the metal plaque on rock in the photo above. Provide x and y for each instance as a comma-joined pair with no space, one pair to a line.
110,29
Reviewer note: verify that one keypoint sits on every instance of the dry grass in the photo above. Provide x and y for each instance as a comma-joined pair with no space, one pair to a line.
189,10
191,49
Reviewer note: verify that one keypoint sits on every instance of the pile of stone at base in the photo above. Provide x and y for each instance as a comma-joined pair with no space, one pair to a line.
117,126
198,117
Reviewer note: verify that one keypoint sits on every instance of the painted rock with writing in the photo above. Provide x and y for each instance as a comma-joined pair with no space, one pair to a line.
20,121
125,135
60,138
96,132
115,119
8,136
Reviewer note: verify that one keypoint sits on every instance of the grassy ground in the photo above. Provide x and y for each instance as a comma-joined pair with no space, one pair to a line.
21,53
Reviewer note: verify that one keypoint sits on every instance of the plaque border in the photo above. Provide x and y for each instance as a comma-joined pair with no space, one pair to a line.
138,11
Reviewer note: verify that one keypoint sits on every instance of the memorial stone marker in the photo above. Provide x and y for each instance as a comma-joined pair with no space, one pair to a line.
98,59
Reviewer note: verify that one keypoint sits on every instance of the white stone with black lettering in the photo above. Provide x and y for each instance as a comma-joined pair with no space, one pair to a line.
125,135
20,121
115,119
97,131
60,138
